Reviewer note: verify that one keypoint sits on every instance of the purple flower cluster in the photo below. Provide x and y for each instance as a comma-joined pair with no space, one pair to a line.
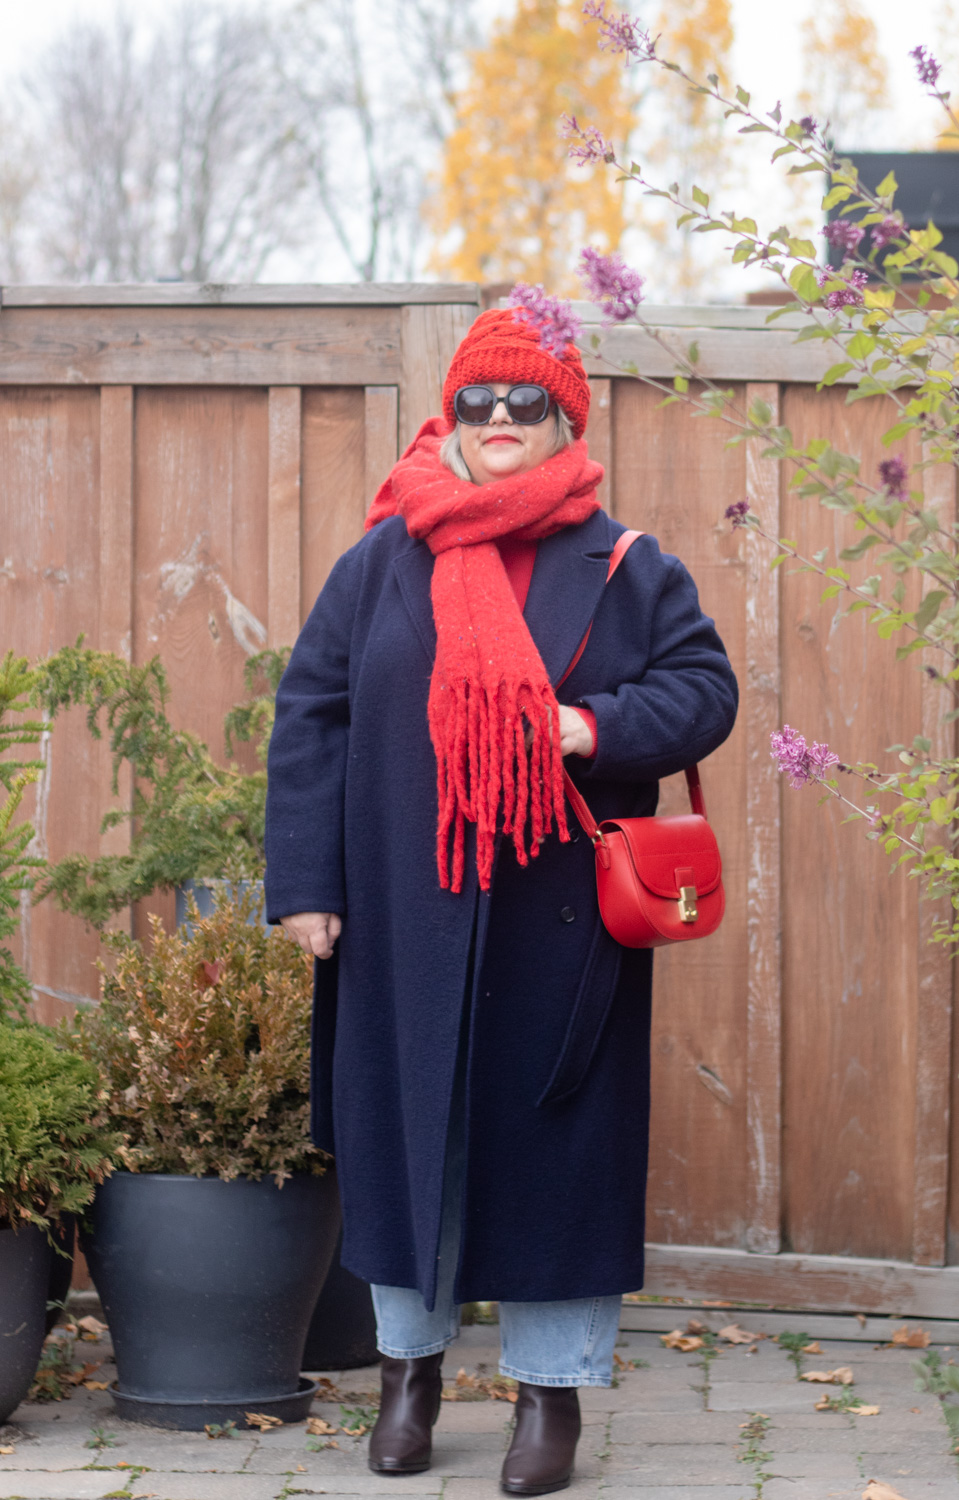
891,228
611,283
808,125
926,66
552,317
894,474
843,234
590,145
849,294
619,33
802,763
737,512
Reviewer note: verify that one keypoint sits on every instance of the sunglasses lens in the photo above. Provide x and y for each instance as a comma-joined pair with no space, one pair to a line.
474,405
528,403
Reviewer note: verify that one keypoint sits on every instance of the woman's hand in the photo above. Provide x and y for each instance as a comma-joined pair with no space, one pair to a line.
315,931
575,735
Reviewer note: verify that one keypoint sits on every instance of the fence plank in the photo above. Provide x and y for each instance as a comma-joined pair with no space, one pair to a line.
674,478
850,932
116,588
251,294
599,436
284,523
935,978
49,594
334,481
380,436
429,339
761,713
204,345
831,1283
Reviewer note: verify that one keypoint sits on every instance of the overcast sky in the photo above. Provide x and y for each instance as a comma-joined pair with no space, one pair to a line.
767,42
767,61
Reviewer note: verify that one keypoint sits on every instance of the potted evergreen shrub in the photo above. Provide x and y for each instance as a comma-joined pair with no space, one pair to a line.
55,1146
210,1245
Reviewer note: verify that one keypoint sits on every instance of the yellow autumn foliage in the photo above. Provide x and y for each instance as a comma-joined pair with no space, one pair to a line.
845,75
510,205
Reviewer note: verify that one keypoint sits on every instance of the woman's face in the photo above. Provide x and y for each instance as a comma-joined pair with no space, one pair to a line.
502,446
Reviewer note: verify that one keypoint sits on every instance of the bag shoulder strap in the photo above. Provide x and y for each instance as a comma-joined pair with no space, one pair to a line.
576,800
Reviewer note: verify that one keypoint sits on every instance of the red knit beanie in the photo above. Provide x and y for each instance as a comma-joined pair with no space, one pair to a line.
499,347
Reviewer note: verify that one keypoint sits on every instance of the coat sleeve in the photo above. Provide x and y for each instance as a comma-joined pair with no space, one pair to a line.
306,769
683,702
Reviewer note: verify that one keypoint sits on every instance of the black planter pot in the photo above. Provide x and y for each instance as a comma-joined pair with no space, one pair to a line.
24,1276
208,1287
61,1268
342,1332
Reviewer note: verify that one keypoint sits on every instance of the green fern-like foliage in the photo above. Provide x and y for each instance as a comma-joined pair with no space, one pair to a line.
18,868
56,1143
202,1044
192,818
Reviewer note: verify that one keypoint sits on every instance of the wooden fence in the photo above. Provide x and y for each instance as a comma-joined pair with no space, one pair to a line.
181,466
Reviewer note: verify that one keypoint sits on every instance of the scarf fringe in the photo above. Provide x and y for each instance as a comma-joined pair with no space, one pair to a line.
486,774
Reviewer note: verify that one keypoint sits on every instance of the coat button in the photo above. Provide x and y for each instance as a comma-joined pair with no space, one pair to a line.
568,914
574,835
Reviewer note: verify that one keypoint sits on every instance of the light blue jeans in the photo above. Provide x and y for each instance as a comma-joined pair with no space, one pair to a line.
542,1343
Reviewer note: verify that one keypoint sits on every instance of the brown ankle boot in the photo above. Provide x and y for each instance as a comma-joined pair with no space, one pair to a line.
402,1440
541,1454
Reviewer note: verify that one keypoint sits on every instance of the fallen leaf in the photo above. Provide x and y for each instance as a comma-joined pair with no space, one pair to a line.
7,1448
911,1338
326,1390
96,1385
81,1376
716,1304
300,1469
916,1411
262,1421
733,1334
842,1376
123,1463
876,1490
866,1411
861,1319
812,1348
316,1427
679,1340
694,1326
91,1328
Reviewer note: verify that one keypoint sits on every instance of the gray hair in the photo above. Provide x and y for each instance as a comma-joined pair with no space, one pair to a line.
451,453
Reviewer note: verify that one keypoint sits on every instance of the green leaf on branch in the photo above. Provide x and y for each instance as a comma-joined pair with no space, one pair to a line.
803,281
887,187
834,373
860,548
742,96
929,608
700,197
836,195
801,249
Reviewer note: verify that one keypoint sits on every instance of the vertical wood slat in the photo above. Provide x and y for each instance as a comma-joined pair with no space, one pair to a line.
283,515
599,435
935,980
761,713
116,576
381,414
429,337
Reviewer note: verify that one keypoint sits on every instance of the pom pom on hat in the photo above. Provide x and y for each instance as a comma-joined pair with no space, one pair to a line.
500,348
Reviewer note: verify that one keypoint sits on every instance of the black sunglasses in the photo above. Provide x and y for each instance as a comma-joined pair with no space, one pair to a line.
475,404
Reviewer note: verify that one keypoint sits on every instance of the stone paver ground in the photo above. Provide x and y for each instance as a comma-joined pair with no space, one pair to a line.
670,1430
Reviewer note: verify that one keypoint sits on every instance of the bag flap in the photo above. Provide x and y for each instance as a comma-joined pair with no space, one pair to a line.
661,846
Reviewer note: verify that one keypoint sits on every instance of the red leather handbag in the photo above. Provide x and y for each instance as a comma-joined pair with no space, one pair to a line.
659,880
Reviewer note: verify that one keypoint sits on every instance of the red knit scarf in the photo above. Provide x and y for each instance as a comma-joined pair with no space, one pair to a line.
489,685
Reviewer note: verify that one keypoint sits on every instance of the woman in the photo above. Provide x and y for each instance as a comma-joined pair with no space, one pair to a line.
480,1043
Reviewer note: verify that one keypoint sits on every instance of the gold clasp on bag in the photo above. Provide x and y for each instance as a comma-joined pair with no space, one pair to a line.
687,903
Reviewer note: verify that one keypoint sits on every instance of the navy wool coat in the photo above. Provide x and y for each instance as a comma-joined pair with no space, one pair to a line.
555,1014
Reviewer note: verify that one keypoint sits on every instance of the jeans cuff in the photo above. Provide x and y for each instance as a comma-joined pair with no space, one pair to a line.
563,1380
417,1353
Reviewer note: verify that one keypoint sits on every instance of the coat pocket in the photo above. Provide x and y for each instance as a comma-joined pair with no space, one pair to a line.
590,1009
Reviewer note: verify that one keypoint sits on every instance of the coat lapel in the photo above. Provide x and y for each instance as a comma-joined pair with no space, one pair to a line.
414,573
566,587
